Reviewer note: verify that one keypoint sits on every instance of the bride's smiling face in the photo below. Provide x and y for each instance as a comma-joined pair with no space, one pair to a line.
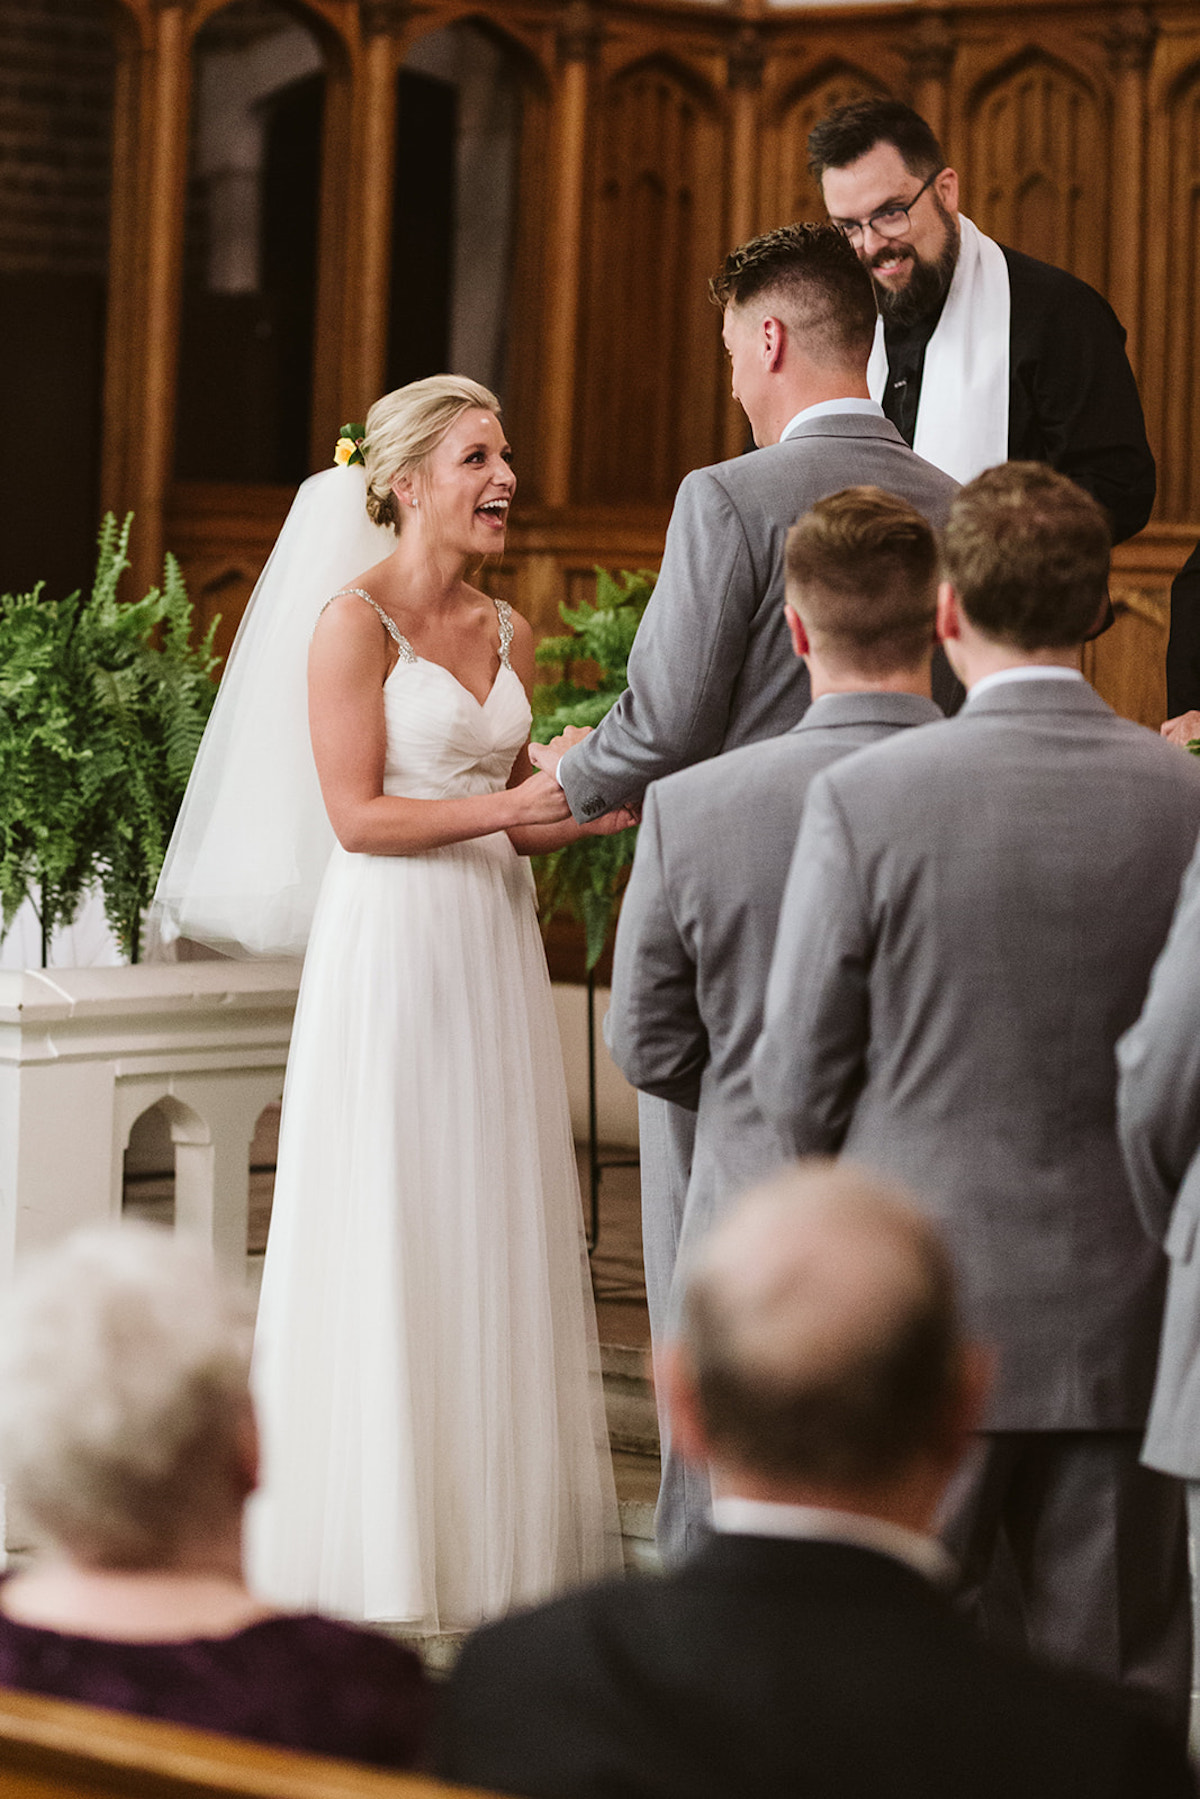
467,484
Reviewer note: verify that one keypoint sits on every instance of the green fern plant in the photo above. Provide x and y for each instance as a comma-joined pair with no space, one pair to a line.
584,879
102,706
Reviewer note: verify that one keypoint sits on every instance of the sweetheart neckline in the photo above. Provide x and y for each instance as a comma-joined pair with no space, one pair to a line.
403,662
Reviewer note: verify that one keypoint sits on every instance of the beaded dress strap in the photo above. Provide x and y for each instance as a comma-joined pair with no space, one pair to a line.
504,614
407,653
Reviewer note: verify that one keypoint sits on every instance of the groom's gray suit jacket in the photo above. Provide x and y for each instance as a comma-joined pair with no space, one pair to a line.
1158,1113
698,927
712,667
969,924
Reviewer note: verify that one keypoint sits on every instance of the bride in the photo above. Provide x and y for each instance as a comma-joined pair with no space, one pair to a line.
426,1363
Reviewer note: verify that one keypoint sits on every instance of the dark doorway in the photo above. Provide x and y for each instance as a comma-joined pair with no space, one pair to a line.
422,228
56,99
244,404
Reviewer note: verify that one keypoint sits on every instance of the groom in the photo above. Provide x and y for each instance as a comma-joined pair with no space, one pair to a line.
712,667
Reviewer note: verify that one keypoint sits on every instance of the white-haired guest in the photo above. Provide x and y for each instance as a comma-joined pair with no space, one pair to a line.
128,1448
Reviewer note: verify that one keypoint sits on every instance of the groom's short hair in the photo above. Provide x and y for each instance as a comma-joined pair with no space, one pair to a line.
861,570
1027,552
811,276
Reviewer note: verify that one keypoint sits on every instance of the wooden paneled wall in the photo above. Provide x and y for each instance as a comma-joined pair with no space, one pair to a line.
656,135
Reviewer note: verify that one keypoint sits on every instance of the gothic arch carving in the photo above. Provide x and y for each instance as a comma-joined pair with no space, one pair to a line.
649,394
671,69
833,85
531,64
1036,174
326,21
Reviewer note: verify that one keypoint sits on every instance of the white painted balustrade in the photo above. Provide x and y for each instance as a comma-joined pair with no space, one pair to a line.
85,1051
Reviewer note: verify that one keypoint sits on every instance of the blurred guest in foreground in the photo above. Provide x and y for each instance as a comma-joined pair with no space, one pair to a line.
128,1446
822,1376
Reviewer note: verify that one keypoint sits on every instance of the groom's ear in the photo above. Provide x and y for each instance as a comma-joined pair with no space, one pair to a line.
773,344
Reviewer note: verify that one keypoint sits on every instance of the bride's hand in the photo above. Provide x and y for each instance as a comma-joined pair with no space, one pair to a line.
540,801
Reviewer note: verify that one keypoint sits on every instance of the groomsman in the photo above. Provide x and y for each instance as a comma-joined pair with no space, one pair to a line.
698,919
970,922
711,667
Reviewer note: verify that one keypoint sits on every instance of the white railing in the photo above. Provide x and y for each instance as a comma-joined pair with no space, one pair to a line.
85,1051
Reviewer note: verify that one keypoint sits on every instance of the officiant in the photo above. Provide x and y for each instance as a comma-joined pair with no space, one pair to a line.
982,354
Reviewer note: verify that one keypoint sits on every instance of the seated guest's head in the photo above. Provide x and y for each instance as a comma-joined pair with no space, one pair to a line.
1025,556
861,572
128,1450
126,1431
821,1359
799,323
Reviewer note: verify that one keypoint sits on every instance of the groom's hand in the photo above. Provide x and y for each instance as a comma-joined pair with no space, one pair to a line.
547,756
618,820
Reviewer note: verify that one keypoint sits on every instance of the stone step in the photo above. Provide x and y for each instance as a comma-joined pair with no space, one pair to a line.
629,1400
637,1494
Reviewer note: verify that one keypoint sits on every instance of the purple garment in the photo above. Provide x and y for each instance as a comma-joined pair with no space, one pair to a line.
296,1681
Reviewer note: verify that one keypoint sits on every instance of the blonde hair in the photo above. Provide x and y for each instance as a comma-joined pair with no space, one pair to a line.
124,1369
405,427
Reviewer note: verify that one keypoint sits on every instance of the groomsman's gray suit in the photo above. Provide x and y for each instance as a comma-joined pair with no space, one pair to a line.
970,922
713,668
690,969
1158,1113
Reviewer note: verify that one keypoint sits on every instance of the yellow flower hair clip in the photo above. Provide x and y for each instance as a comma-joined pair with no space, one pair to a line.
349,445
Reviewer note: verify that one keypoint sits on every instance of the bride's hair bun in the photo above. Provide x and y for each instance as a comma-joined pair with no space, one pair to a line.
404,427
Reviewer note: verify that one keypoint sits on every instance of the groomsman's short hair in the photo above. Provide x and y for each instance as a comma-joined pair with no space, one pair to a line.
1027,552
850,132
812,277
862,569
822,1331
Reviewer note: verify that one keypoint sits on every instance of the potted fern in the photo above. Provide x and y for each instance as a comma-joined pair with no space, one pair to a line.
102,706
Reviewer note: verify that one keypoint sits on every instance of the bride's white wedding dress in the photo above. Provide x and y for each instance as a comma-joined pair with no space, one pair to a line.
426,1365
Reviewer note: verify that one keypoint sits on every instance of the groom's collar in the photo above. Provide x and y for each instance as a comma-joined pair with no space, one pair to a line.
822,409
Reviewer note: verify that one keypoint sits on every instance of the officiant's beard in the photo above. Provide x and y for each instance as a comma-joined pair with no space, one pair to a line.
927,285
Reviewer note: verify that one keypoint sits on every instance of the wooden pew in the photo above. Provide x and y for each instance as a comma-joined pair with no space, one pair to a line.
50,1749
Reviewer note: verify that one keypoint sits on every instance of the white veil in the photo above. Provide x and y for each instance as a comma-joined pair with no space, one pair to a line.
251,841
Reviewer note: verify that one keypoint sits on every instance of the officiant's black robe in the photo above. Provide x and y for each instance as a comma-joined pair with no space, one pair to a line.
1073,401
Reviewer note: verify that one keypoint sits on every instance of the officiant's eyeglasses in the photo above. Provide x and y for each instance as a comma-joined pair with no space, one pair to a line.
892,221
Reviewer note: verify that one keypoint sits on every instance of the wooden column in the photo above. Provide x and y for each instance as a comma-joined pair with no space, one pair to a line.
368,277
745,73
1130,44
165,97
578,45
930,58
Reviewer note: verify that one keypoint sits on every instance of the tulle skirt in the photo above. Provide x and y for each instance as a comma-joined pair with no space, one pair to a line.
426,1366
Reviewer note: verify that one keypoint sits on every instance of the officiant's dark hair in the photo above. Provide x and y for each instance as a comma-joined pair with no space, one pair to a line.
861,570
1027,553
813,276
853,130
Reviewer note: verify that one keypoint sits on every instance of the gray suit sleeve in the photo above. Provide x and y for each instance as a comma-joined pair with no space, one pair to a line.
685,662
1158,1094
808,1065
655,1031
